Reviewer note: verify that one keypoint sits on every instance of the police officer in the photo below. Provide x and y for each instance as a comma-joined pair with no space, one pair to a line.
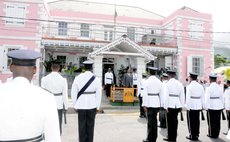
174,102
86,95
194,104
108,81
57,85
227,102
140,94
27,111
152,100
214,103
162,113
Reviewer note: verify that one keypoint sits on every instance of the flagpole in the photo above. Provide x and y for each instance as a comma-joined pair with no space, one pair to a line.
115,20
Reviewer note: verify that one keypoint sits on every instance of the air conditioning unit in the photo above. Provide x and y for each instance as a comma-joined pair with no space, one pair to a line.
149,39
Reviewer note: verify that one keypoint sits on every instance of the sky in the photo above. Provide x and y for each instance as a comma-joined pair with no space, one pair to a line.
218,8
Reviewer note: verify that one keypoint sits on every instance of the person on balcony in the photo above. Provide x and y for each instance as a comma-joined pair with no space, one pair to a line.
128,79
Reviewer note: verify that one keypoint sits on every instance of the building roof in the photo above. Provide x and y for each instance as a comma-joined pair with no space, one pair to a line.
101,8
123,46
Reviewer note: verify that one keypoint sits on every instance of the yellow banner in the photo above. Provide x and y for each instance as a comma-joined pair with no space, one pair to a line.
128,95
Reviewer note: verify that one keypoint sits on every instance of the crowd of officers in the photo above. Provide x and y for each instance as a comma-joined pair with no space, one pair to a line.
168,97
32,113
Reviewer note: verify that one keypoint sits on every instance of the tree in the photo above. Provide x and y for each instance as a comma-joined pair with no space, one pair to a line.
220,60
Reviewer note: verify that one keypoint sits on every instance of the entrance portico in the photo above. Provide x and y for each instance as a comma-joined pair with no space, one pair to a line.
121,52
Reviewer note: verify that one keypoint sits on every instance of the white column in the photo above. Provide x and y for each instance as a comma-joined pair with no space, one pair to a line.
140,67
97,68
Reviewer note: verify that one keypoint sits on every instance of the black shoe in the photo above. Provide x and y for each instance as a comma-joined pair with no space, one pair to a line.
166,139
211,137
145,140
142,116
192,139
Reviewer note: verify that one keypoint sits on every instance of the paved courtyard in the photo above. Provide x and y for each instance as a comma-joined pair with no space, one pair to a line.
124,125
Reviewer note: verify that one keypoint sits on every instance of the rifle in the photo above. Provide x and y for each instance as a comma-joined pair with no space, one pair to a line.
202,115
64,113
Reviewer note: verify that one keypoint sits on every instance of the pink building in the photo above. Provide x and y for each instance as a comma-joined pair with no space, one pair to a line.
112,36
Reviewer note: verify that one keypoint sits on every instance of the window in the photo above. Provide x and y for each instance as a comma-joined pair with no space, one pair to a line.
84,30
62,29
196,29
131,33
15,14
5,62
195,64
108,33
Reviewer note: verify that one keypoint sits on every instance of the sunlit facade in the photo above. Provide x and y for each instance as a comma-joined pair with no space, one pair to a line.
110,35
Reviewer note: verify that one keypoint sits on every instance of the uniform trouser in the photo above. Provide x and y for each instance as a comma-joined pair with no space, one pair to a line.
135,90
193,117
60,111
152,124
213,117
228,118
86,120
142,112
172,123
108,86
162,118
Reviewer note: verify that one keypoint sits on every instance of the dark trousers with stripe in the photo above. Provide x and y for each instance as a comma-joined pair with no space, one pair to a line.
60,111
142,112
152,124
228,118
213,117
193,117
107,87
172,123
135,90
86,121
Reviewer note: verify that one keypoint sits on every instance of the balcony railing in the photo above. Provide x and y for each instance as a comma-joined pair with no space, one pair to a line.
101,34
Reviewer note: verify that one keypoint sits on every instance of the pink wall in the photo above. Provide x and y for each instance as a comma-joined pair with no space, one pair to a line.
94,17
19,35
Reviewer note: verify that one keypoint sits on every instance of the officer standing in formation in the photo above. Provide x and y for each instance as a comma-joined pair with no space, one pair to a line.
214,103
227,103
152,100
57,85
86,94
194,104
162,113
174,102
27,111
140,94
108,81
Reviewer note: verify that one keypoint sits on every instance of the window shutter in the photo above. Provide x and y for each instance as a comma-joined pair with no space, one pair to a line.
189,65
1,57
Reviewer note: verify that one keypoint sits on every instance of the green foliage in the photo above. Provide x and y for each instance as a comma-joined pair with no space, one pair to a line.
220,60
47,64
121,73
71,70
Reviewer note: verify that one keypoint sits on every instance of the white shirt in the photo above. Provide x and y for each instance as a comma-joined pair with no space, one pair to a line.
27,111
214,97
55,83
140,87
227,98
135,81
152,86
108,78
194,96
174,94
86,101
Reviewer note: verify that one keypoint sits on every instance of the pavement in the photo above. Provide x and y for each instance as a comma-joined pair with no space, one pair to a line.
122,124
